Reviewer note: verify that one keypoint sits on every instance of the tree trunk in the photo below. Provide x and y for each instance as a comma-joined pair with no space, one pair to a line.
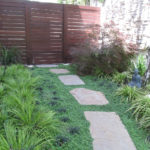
147,73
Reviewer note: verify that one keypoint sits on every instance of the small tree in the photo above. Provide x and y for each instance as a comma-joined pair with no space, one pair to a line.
113,54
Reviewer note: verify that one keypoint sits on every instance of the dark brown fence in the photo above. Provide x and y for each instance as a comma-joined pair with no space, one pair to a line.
45,32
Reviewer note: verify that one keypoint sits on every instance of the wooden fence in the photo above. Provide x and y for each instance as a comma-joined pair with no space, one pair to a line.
45,32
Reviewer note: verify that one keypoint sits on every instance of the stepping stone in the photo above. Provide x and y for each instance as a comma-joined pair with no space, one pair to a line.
66,64
108,131
71,80
45,66
59,71
89,97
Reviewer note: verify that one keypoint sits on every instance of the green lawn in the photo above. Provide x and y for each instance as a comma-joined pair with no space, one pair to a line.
55,96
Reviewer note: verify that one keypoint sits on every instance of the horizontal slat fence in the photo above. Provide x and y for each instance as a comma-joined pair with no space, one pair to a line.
45,32
12,26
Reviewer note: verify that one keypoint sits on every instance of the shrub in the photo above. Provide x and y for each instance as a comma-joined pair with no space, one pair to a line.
98,72
114,54
130,93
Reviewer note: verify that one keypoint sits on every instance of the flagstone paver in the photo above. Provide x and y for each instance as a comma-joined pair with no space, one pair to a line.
89,97
59,71
71,80
108,131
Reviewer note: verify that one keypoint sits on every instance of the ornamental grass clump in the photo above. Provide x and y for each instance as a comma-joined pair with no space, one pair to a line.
121,78
141,111
16,139
18,106
130,93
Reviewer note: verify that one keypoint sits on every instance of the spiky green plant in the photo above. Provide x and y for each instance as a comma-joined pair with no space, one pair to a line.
139,106
18,105
17,139
130,93
120,78
141,111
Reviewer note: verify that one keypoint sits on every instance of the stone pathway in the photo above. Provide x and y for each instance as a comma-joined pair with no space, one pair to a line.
71,80
89,97
59,71
108,131
106,128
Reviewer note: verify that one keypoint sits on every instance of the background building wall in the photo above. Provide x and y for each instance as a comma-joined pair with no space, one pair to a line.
132,17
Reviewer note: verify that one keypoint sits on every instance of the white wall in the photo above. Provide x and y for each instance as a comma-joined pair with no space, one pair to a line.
132,17
46,1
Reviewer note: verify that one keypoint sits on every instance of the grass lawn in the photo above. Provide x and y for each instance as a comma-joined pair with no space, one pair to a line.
55,96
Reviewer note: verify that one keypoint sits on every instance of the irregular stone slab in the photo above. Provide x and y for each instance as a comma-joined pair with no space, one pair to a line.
45,65
71,80
59,71
89,97
108,131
